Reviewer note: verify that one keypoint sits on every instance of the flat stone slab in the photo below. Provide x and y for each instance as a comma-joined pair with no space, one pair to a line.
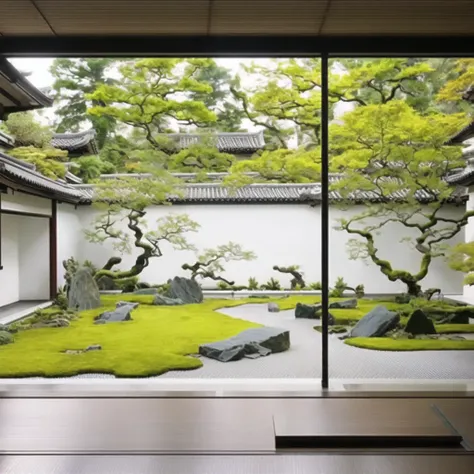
347,304
121,313
161,300
253,342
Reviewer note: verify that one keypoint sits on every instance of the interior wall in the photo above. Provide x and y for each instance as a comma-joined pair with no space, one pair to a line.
9,274
70,236
280,235
33,258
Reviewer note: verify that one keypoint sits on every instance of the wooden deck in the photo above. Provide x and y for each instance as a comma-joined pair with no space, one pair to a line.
210,426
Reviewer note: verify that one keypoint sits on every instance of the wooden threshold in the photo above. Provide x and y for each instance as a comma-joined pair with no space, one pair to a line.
365,425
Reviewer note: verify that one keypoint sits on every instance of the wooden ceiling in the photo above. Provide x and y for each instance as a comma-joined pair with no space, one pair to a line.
237,17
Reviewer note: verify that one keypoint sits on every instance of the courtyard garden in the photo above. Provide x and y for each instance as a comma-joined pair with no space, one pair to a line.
167,338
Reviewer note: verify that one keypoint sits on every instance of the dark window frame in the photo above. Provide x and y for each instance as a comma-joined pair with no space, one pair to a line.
254,46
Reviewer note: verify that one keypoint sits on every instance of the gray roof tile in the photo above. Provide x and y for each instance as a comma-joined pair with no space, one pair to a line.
75,141
238,142
214,192
26,174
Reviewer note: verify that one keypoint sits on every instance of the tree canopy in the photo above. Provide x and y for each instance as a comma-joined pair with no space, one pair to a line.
74,80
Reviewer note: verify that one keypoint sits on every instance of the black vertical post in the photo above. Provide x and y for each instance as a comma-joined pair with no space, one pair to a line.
324,219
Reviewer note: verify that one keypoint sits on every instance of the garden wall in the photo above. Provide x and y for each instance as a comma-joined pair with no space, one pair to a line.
70,236
469,233
280,234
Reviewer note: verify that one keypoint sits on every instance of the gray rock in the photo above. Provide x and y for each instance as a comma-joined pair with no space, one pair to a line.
308,311
146,291
161,300
419,323
83,291
261,341
94,347
273,308
376,323
186,290
106,283
121,313
347,304
132,304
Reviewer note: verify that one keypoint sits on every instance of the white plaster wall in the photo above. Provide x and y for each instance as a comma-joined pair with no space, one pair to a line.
70,236
20,202
9,283
33,258
279,235
469,236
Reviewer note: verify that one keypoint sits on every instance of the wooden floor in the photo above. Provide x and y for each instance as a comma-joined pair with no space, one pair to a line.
257,464
210,426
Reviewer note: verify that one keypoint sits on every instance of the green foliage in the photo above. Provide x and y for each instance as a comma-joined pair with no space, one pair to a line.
151,92
74,79
48,161
282,165
253,284
339,287
211,261
272,284
169,229
461,259
61,300
222,285
454,90
90,168
229,114
380,148
315,286
202,156
27,131
5,338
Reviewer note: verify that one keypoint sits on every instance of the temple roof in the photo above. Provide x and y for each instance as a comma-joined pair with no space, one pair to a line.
79,143
19,175
258,193
238,142
17,94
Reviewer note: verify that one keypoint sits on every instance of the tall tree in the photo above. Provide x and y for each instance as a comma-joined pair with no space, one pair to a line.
152,94
400,159
74,79
229,113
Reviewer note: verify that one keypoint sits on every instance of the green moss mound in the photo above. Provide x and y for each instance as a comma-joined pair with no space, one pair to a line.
157,340
388,344
5,338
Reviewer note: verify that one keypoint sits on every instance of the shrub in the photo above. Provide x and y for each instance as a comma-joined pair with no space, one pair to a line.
61,300
222,285
271,284
315,286
253,284
5,338
339,287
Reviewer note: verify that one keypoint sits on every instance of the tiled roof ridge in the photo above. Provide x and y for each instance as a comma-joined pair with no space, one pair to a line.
80,134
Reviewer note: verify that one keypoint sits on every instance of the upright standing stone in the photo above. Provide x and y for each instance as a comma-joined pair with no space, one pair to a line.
186,290
83,292
419,323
